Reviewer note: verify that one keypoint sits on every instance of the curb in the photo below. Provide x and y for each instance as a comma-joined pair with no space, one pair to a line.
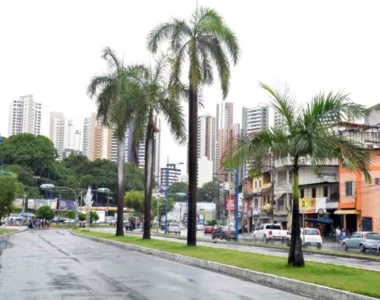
312,291
306,251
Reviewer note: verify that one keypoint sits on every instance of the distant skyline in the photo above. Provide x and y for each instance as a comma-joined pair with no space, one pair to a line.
51,49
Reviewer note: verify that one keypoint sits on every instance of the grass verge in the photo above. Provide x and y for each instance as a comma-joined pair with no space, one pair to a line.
273,246
343,278
6,231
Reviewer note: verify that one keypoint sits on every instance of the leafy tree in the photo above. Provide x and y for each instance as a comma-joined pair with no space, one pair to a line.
30,151
157,98
197,43
93,217
306,132
210,192
24,174
135,201
70,214
116,105
45,212
9,186
176,188
83,217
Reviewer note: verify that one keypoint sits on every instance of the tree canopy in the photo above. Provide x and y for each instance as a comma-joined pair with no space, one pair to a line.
45,212
9,186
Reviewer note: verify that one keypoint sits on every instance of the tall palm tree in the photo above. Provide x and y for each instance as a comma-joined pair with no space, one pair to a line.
116,102
158,98
305,132
203,40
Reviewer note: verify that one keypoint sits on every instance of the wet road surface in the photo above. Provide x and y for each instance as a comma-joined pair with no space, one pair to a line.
55,265
320,258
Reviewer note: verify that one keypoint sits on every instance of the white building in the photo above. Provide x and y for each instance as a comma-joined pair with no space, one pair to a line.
24,116
77,140
57,131
205,171
69,139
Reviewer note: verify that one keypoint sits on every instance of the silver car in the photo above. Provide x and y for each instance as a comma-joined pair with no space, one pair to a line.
371,243
362,240
174,228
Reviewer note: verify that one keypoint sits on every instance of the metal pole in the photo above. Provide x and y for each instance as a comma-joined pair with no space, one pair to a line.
303,216
76,209
108,202
229,196
167,196
158,210
237,205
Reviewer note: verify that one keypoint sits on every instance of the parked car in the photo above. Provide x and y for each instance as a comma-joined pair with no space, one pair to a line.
362,240
269,232
208,229
200,227
68,222
174,228
309,237
57,220
223,233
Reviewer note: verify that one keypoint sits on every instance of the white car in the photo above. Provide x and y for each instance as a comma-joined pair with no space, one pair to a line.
309,237
174,228
200,227
269,232
69,222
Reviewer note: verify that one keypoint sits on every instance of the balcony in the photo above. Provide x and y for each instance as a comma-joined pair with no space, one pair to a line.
303,161
266,186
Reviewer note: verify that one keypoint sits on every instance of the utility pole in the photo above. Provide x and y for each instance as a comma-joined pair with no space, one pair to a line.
272,185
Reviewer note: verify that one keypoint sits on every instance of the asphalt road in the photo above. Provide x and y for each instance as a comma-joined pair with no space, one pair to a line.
54,264
340,261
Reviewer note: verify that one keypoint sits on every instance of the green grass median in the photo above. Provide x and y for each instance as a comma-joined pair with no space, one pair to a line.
338,277
6,231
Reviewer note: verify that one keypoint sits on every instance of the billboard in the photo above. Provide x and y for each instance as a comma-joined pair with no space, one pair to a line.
230,203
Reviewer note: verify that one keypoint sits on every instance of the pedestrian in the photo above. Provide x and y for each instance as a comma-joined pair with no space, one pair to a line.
337,234
30,225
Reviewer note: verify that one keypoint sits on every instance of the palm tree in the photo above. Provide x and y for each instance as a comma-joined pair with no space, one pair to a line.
203,40
305,132
158,98
116,102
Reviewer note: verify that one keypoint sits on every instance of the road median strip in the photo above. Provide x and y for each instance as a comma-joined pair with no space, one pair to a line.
316,281
277,247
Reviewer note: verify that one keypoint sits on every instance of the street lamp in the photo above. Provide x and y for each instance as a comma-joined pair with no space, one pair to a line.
50,186
167,192
105,191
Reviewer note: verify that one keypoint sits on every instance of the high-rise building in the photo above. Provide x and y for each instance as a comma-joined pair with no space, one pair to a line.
24,116
224,120
255,119
57,131
69,142
100,142
77,140
172,171
206,137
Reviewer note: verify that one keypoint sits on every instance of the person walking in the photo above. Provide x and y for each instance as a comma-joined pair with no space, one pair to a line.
337,234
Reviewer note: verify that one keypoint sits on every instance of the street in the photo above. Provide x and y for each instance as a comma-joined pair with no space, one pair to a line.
53,264
320,258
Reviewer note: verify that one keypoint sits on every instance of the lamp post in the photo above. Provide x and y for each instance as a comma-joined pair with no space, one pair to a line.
167,192
49,186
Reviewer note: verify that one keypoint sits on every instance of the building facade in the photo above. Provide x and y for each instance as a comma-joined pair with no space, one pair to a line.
206,137
24,116
57,131
173,173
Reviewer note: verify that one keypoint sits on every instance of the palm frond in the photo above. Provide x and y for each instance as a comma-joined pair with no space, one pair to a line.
173,112
212,23
158,34
104,102
331,108
221,60
110,56
256,149
98,82
283,104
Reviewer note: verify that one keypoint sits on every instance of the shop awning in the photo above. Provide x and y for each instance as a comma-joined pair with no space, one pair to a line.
347,212
321,221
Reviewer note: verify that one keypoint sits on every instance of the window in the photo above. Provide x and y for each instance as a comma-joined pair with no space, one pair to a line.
261,227
377,180
256,203
302,192
325,191
349,191
274,227
313,193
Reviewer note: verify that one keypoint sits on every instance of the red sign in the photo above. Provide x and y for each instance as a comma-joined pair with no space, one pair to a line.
230,203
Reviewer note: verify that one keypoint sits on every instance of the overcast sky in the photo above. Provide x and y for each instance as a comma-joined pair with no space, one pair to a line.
52,48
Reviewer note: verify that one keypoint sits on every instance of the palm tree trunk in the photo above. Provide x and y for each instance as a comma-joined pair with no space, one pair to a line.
120,187
192,167
149,140
295,258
